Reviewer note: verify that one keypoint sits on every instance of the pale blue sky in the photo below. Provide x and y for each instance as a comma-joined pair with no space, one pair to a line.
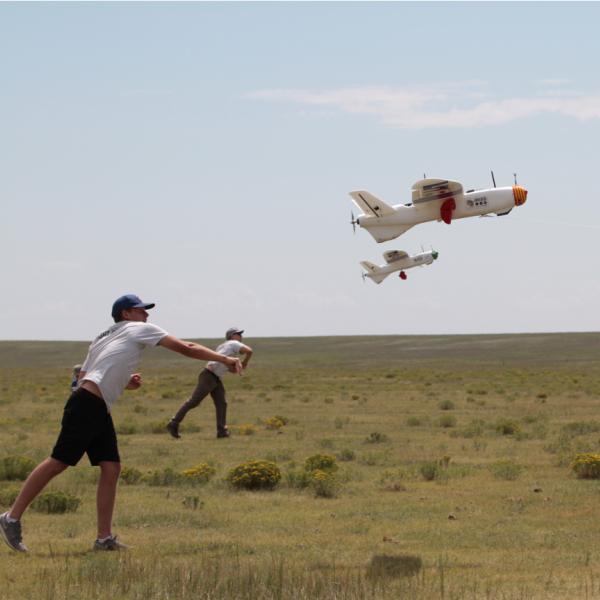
200,155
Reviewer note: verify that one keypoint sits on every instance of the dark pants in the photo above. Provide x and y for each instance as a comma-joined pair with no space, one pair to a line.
208,383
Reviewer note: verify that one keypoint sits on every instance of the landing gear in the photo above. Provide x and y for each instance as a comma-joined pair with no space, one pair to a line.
447,209
403,275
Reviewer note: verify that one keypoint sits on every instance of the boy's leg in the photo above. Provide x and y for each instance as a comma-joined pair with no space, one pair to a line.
206,382
38,479
218,396
10,524
106,495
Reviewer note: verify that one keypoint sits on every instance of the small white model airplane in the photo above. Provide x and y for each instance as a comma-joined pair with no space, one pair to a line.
433,199
396,260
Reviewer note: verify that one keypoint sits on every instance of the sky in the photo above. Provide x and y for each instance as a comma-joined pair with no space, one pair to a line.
200,155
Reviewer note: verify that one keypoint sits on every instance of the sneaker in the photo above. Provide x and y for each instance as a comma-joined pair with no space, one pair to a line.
223,434
11,533
173,429
110,543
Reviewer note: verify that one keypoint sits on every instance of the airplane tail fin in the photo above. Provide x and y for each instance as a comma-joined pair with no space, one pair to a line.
373,271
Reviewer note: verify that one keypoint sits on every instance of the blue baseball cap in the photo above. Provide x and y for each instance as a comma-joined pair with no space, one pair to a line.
128,301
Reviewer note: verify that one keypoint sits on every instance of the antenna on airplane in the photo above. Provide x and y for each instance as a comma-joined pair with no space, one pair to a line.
515,176
493,178
424,176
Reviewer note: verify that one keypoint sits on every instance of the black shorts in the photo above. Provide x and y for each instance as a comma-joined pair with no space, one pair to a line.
87,427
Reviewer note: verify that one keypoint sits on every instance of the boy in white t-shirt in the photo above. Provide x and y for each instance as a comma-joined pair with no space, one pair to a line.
209,382
87,426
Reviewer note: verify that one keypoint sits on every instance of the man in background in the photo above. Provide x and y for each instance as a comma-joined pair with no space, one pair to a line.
210,382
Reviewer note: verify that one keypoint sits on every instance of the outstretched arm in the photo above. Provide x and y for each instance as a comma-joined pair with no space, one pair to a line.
192,350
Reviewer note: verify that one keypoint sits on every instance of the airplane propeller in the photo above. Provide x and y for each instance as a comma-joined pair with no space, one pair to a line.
353,221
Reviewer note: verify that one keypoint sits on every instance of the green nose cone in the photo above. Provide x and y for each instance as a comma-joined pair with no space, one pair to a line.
435,254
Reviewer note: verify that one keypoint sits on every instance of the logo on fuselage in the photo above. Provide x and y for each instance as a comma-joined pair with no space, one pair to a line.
481,201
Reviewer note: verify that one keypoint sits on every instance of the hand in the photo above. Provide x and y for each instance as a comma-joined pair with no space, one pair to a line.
135,382
234,365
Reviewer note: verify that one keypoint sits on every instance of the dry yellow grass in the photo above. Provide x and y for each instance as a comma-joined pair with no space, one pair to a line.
503,516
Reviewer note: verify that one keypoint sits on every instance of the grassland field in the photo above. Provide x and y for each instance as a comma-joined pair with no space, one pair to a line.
454,456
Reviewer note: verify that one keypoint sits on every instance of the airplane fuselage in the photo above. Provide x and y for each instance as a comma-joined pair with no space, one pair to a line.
474,203
417,260
397,260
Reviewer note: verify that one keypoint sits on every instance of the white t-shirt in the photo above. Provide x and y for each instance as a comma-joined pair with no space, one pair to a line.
114,355
228,348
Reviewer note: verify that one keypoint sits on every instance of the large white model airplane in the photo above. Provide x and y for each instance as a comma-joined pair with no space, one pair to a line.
432,199
396,260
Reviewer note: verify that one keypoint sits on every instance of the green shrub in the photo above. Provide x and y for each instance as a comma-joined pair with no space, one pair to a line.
13,468
506,469
586,466
55,503
446,405
201,473
131,475
507,427
8,496
298,479
193,502
245,429
435,469
346,455
321,462
274,423
446,421
324,484
429,470
255,475
414,421
162,478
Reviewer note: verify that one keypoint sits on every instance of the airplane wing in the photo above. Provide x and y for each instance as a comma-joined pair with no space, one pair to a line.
394,255
427,190
371,205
